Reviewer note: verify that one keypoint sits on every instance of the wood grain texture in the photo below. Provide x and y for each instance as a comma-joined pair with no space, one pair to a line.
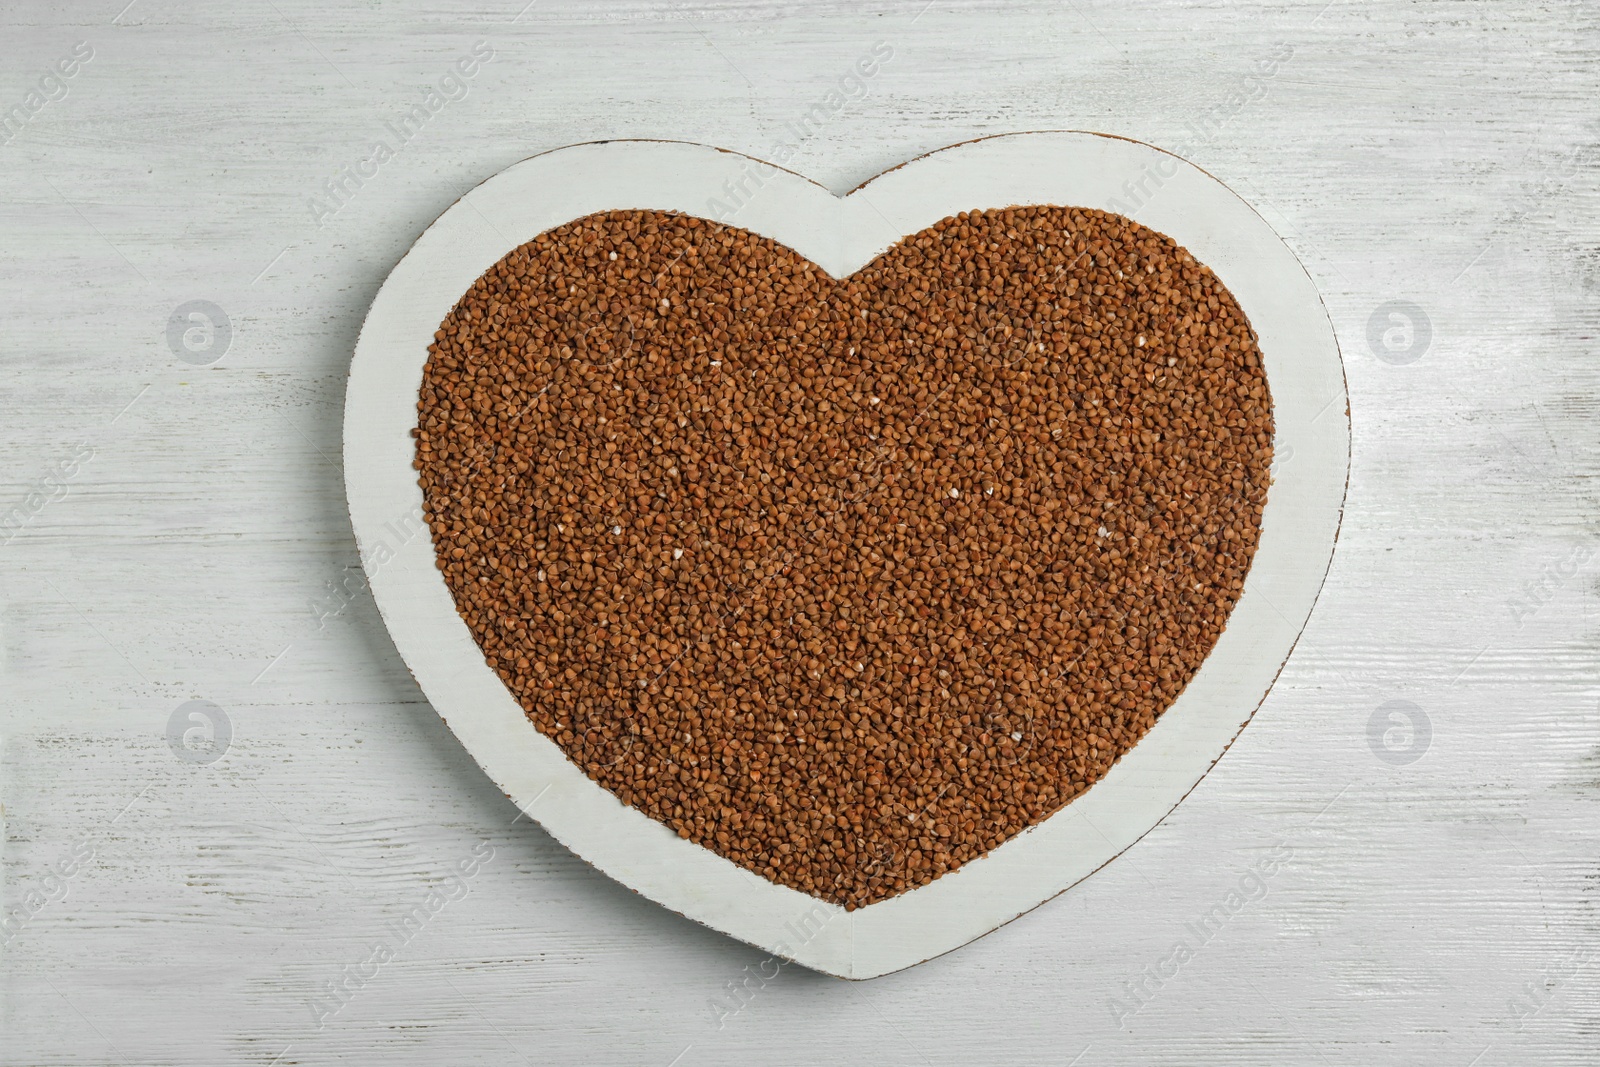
1438,153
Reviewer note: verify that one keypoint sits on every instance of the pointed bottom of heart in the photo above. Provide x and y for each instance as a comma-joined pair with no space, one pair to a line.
1298,528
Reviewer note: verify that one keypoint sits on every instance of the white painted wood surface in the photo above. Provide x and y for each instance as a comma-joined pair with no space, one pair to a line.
172,533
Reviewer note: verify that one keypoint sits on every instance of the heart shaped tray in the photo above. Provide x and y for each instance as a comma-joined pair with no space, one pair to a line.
840,235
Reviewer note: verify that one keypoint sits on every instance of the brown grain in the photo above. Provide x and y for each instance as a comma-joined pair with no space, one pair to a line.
848,581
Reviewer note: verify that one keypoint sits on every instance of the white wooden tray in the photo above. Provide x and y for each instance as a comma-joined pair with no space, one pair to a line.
842,234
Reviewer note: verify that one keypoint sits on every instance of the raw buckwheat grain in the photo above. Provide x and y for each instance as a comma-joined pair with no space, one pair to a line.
848,581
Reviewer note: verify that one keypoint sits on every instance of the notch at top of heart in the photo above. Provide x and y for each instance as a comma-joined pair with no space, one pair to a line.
840,233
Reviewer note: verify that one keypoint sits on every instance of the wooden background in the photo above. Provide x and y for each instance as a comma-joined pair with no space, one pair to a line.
172,533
